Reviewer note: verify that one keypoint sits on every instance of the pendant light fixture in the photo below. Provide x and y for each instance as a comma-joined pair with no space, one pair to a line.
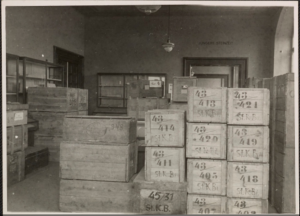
148,9
168,46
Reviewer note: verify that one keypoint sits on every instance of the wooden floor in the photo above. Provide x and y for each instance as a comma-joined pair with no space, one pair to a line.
39,192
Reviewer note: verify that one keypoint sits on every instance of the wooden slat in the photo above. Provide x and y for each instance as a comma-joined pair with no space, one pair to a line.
206,204
180,88
247,206
15,167
206,176
206,140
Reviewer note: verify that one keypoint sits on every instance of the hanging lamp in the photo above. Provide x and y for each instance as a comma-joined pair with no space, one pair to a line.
148,9
168,46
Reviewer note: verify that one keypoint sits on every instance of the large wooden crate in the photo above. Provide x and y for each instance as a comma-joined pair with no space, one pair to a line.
165,128
100,129
206,204
145,88
82,101
248,106
180,88
96,196
159,197
17,138
136,107
15,167
248,143
248,180
207,104
16,114
165,164
205,140
58,99
50,142
247,206
206,176
91,161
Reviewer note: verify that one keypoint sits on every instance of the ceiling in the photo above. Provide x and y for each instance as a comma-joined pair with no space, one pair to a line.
178,10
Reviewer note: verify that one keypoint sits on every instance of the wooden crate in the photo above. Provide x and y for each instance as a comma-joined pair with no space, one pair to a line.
50,142
247,206
15,167
165,128
248,143
145,88
180,88
206,176
159,197
206,204
248,106
96,196
50,123
16,114
136,107
36,157
90,161
165,164
17,138
100,129
248,180
82,101
180,106
207,104
205,140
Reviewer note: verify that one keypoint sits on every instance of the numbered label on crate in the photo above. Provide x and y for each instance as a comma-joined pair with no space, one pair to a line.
158,202
164,128
205,140
155,84
165,165
245,206
248,143
207,177
207,205
207,103
246,180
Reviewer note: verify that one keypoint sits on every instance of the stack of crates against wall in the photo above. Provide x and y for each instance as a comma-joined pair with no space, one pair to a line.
17,141
98,162
162,184
206,150
284,189
49,106
248,150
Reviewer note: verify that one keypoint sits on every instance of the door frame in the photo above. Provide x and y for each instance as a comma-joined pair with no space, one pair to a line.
242,63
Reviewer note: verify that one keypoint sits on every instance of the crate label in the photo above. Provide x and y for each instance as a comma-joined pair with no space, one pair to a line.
155,84
247,143
207,205
164,128
19,116
247,181
207,177
154,201
240,206
165,165
206,140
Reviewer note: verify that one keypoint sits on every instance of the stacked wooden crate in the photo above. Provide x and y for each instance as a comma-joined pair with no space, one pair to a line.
49,106
98,161
248,151
161,186
206,150
17,141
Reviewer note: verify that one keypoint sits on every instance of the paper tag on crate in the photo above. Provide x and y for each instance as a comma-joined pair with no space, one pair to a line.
155,84
19,116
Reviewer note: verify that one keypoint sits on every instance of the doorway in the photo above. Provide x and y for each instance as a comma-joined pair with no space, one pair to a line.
73,63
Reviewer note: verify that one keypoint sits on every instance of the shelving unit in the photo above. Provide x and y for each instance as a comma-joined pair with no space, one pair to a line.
12,77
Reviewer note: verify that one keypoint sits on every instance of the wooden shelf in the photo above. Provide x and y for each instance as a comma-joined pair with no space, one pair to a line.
11,76
49,79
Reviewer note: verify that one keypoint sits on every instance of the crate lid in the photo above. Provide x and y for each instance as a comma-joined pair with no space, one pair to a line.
16,106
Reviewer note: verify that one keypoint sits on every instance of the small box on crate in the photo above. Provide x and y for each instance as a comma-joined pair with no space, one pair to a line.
92,161
165,164
180,88
247,206
165,128
206,176
248,143
248,180
248,106
205,140
159,197
206,204
207,104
